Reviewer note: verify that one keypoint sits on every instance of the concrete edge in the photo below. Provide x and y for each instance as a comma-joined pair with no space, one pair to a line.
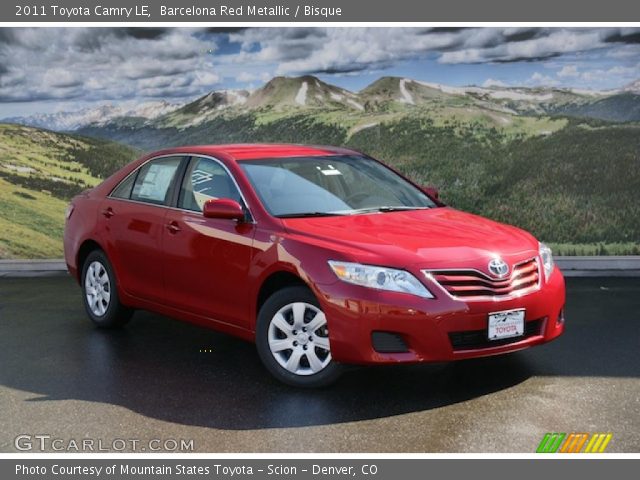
32,268
611,266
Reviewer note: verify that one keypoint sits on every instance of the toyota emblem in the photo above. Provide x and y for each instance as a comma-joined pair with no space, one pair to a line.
498,267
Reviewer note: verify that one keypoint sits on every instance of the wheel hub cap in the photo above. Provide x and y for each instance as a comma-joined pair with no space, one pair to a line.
299,339
97,288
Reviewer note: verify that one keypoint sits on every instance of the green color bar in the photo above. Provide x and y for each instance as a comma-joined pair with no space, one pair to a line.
558,442
550,442
541,448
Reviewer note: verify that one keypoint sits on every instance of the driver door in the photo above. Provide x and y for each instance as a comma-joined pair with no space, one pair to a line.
206,259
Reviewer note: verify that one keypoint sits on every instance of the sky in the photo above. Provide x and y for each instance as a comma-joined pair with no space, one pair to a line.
45,70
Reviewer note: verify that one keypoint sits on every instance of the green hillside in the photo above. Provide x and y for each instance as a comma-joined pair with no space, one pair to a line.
619,108
39,172
533,157
578,187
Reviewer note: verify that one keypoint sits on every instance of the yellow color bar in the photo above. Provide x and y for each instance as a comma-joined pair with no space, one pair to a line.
606,441
598,443
594,437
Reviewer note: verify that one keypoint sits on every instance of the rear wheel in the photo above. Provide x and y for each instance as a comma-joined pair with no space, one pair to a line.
100,293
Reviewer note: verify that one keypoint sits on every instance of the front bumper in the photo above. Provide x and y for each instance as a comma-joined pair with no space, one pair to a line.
432,330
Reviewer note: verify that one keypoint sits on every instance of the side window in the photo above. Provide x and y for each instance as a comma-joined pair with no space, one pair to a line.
153,183
206,179
123,190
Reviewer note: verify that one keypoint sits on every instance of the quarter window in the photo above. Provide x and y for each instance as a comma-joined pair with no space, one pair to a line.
154,180
206,179
124,189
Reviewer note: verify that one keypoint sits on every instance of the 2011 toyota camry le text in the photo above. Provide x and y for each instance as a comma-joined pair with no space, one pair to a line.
322,256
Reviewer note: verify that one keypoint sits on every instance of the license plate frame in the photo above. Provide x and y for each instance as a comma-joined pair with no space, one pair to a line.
506,324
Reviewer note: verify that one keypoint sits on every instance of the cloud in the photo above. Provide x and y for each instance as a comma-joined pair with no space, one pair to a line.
104,63
619,72
343,50
547,44
539,79
60,78
336,50
248,77
491,82
568,71
624,35
624,52
127,63
143,32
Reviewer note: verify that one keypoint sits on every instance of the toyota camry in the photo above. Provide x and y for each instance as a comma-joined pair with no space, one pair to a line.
322,256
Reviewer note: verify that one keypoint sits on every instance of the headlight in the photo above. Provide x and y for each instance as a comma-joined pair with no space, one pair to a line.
380,278
547,260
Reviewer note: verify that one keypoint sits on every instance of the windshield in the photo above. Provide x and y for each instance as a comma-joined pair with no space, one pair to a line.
335,185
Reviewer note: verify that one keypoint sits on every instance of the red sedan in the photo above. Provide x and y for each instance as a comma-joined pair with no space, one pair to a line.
322,256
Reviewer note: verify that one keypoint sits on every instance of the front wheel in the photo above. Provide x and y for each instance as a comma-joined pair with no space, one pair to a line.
100,293
292,338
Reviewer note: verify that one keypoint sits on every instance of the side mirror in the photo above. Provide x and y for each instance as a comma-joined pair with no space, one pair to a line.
432,192
223,208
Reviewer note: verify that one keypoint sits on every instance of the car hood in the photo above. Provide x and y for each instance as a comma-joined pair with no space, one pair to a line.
434,238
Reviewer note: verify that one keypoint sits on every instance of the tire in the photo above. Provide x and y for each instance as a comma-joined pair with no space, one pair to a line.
292,339
100,292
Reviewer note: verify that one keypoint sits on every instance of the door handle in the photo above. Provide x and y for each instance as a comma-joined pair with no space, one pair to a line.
173,227
108,212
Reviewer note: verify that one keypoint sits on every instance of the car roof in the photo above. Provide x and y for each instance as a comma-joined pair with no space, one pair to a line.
249,151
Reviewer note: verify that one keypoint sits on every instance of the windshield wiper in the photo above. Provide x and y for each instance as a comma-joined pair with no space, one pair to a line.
310,214
387,208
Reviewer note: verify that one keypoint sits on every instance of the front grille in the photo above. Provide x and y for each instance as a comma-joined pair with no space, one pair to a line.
468,284
477,339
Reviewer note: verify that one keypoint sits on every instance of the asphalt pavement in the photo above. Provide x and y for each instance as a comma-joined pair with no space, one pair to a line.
159,381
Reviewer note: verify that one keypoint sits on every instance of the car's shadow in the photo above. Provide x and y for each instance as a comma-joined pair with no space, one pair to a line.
163,369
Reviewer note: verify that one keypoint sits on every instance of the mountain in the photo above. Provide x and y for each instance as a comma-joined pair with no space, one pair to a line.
40,171
279,94
540,158
622,107
205,108
69,121
633,87
387,92
546,159
285,95
301,92
513,111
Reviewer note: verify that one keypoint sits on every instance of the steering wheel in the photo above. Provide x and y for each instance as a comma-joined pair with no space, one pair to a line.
356,197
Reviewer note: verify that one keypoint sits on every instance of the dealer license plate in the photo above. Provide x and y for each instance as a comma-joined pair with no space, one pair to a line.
507,324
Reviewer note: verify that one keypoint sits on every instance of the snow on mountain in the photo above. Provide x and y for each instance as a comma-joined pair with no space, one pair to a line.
633,87
301,92
406,96
499,93
69,121
301,96
151,110
204,108
309,92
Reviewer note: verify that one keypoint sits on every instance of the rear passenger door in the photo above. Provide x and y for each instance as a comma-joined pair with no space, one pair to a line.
207,259
133,219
